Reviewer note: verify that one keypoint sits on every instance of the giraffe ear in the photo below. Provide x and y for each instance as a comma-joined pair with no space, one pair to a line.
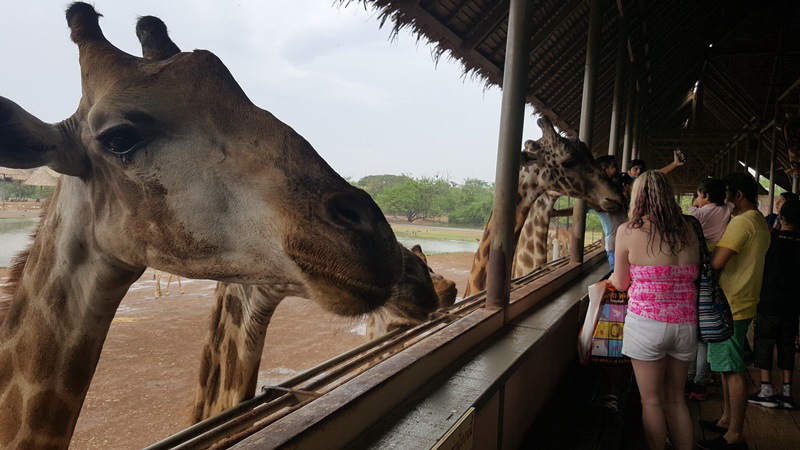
546,126
27,142
417,250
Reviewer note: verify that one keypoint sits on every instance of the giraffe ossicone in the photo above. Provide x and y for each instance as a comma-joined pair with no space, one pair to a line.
167,164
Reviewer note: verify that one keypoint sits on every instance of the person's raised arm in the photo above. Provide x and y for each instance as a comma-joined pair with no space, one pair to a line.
676,162
621,278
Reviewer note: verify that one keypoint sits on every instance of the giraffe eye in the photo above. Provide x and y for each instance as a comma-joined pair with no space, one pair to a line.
121,140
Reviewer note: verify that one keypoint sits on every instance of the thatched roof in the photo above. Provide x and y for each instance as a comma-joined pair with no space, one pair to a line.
745,53
41,177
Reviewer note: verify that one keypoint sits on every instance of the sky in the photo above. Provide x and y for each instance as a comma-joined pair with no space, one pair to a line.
368,104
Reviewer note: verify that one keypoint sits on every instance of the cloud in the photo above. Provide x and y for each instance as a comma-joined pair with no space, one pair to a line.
367,104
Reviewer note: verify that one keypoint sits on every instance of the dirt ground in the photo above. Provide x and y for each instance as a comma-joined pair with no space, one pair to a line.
19,210
144,384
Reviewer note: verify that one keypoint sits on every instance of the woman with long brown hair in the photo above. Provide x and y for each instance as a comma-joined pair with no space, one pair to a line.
657,262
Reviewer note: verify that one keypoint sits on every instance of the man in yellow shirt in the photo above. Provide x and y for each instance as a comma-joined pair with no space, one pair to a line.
739,255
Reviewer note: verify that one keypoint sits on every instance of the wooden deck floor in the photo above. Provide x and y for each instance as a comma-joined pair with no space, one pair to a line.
576,420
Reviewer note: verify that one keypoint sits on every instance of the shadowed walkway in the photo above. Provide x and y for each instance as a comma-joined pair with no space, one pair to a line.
574,417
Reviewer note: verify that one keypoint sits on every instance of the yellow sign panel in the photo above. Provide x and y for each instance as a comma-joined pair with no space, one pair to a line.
459,437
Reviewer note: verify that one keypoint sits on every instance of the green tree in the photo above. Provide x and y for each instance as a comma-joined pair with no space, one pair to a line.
471,203
375,185
414,198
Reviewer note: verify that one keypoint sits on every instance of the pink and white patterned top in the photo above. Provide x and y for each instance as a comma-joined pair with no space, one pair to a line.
664,293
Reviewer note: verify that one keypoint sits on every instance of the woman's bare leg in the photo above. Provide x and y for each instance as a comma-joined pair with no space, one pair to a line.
679,421
650,377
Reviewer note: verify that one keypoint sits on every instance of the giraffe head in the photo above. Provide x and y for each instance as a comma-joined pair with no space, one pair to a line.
405,314
566,166
168,164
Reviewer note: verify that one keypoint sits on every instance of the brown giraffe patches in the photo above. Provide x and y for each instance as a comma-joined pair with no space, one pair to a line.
11,423
48,414
205,364
78,369
233,306
6,371
57,298
218,335
485,251
232,367
480,282
213,384
215,317
39,444
526,259
38,346
15,316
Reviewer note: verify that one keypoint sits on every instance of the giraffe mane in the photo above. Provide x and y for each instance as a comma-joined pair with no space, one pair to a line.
18,266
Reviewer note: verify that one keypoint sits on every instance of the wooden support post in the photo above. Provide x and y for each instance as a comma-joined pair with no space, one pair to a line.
758,158
626,141
515,86
745,150
773,159
619,75
587,121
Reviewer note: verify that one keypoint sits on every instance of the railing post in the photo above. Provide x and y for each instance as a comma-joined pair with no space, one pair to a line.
587,122
515,85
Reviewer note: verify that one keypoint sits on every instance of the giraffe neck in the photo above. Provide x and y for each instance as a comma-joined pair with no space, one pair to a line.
531,251
527,192
234,344
59,315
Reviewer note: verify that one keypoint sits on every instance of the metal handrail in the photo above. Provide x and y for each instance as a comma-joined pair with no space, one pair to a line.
276,401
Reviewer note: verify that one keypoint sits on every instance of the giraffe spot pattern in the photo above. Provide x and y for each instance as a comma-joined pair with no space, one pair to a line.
232,368
35,348
77,370
16,315
48,414
11,423
233,306
213,385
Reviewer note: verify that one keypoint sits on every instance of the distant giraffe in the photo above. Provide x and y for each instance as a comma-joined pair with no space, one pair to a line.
157,274
532,248
553,163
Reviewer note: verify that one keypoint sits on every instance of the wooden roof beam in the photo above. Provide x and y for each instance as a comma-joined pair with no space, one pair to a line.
426,20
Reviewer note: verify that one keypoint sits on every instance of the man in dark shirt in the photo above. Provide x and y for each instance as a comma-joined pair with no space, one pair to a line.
776,321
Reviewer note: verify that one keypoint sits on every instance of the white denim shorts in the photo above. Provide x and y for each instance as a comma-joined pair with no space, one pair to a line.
645,339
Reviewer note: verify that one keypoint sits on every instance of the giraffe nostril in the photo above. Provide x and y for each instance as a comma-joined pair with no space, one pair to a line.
352,211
